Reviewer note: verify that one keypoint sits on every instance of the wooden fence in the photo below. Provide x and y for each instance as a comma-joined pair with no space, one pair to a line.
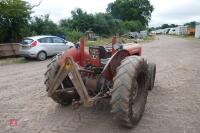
9,49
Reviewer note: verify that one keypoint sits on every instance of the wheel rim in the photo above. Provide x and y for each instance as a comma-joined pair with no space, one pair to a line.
42,56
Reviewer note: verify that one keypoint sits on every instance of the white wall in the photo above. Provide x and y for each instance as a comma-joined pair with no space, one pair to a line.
197,31
181,30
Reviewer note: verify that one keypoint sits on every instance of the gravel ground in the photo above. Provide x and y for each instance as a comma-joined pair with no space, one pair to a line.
172,107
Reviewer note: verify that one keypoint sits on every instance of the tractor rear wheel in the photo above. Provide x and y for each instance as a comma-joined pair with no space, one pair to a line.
129,94
65,92
151,75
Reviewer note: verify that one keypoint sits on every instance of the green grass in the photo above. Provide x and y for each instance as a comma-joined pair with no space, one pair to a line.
148,39
8,61
99,41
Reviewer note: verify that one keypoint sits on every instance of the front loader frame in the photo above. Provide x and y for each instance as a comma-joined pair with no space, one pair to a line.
69,68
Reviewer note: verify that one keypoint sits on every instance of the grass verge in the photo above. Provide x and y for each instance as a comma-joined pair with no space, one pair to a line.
8,61
148,39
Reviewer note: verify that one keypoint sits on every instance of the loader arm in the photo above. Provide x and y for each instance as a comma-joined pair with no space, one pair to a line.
69,68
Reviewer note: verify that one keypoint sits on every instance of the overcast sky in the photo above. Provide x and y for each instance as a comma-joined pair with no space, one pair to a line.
166,11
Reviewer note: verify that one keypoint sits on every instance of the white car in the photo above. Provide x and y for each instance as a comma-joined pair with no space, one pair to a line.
41,47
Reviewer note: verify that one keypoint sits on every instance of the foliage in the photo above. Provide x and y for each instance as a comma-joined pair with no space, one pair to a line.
131,10
163,26
14,15
191,24
81,20
168,26
73,36
100,23
133,25
105,24
43,25
122,16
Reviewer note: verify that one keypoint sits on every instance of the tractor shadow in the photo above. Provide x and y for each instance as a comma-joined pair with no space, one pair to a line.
88,118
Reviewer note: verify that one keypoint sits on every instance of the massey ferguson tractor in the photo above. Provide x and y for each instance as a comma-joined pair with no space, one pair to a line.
85,76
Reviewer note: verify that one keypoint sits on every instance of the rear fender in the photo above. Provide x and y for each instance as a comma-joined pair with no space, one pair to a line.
134,49
109,70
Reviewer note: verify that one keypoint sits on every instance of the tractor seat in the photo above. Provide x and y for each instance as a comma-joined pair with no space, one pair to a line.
103,53
104,61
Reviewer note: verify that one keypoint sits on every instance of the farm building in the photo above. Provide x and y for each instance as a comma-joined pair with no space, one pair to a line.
181,30
197,31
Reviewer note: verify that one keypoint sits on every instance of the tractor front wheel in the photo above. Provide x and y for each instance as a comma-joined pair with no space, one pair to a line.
129,94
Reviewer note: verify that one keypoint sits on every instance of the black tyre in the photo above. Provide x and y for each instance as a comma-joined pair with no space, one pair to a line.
151,75
65,92
42,56
129,92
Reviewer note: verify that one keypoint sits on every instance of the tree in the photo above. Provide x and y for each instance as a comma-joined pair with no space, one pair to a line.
44,26
81,20
165,26
133,26
105,24
191,24
101,23
131,10
14,15
168,26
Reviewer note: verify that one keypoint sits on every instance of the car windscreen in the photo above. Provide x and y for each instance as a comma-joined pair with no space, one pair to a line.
26,41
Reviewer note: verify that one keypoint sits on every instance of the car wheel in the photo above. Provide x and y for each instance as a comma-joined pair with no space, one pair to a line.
42,56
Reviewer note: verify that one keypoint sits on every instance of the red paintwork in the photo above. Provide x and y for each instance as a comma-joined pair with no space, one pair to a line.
75,54
95,62
82,51
114,41
134,49
81,57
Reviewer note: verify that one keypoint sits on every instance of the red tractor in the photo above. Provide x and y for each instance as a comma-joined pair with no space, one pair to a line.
84,75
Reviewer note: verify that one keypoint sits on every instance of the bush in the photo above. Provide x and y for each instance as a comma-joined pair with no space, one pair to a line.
73,36
133,26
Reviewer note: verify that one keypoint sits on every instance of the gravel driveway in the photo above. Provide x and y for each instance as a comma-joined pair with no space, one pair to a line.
172,107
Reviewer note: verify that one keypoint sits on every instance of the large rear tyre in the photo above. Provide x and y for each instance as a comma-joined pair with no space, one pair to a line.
65,92
151,75
129,94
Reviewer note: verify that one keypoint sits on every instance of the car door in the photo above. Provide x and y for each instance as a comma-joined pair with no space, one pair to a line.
59,44
46,44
